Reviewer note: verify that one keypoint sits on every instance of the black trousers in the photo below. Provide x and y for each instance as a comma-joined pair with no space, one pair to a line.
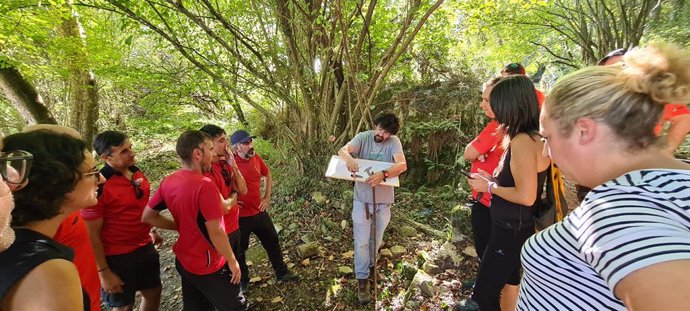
481,227
261,225
500,265
210,292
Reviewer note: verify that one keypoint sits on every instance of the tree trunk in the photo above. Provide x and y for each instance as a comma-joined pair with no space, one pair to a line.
82,83
23,96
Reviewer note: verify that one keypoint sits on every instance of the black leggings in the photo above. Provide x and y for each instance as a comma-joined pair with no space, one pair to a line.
500,265
481,227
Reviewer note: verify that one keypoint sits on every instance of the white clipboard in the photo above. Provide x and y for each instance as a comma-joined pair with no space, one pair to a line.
338,170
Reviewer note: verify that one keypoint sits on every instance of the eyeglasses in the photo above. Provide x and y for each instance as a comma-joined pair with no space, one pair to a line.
15,166
226,176
94,172
138,192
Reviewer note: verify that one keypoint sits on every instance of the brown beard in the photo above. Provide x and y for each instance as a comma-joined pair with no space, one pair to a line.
378,138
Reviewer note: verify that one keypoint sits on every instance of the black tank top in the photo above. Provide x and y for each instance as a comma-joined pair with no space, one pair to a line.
508,214
29,250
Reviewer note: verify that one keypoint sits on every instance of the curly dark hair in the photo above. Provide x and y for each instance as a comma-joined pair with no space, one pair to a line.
388,121
54,173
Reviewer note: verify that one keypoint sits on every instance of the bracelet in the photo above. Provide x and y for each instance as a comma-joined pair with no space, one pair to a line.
491,185
101,270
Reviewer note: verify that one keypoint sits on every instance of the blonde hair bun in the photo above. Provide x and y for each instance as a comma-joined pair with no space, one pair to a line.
660,70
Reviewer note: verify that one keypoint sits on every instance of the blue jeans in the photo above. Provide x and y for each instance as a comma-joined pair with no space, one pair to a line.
363,229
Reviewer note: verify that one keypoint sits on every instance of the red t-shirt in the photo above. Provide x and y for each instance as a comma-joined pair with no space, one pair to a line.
490,145
192,199
72,232
540,97
123,231
670,111
224,185
252,170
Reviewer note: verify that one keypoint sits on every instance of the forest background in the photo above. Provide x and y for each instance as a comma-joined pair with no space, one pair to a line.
305,76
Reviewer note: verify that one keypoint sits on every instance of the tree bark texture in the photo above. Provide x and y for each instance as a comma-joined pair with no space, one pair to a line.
23,96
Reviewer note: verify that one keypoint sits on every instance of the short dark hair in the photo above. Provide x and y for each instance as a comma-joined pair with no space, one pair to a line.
55,171
515,105
188,141
388,121
104,141
213,130
614,53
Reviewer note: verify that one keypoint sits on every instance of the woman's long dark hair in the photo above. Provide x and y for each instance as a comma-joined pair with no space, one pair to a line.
515,105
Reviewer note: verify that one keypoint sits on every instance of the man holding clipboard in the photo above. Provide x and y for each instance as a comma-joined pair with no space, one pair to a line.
371,207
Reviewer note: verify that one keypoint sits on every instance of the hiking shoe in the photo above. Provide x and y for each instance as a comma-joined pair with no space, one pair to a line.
288,277
363,291
467,305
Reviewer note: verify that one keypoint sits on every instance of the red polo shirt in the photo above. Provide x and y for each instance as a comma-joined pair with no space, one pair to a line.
123,231
670,111
224,185
490,145
73,233
192,199
252,170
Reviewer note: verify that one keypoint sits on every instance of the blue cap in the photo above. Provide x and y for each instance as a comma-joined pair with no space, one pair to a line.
240,136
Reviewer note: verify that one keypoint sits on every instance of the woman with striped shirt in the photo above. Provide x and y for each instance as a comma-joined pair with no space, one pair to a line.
627,246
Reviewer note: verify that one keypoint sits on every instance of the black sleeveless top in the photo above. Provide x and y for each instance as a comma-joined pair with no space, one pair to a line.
511,215
29,250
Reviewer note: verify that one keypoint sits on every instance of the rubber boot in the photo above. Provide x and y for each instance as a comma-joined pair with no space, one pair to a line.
363,291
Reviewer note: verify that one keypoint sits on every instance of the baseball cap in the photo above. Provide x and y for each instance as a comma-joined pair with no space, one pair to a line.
240,136
514,69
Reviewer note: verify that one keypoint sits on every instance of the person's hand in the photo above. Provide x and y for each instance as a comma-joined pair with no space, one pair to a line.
235,270
352,166
111,282
156,238
265,204
480,181
375,179
481,158
230,157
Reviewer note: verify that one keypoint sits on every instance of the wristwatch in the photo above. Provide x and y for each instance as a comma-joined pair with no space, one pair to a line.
385,174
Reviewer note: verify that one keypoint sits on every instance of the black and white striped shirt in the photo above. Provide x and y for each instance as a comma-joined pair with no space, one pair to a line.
626,224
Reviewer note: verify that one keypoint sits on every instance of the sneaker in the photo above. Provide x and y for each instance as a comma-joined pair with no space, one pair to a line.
363,291
288,277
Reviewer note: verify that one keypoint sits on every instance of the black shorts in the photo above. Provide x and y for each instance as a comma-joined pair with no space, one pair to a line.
139,270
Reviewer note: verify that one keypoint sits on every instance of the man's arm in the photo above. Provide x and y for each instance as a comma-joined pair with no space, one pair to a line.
662,286
238,182
471,153
266,199
221,243
110,281
398,168
345,153
153,217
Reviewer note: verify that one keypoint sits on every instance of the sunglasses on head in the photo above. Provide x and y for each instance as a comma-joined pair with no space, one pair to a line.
15,166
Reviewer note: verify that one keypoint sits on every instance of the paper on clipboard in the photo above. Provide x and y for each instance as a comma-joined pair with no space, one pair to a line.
337,169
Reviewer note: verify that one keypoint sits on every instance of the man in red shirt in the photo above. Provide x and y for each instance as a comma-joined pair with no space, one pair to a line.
126,258
253,207
229,180
203,257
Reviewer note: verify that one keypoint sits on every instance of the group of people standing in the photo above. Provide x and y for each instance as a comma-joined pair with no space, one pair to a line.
67,210
627,246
